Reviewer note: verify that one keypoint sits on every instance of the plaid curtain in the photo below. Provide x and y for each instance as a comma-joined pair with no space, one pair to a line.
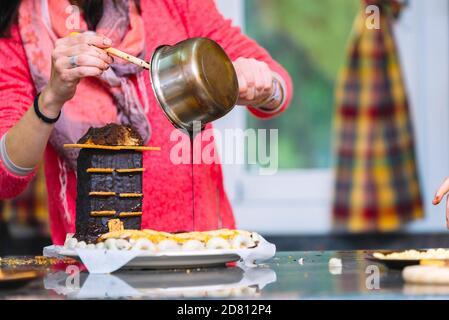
29,210
377,187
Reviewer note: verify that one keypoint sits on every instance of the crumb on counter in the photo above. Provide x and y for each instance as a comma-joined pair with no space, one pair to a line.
335,262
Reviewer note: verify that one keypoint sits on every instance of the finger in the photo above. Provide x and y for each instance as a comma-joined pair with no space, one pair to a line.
95,40
81,72
258,75
84,48
268,79
250,93
243,86
250,81
444,188
86,61
447,211
248,74
91,50
262,92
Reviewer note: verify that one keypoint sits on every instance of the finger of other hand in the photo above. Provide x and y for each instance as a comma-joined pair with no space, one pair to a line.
444,188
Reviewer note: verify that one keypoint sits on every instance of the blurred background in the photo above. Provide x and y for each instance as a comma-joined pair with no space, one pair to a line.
311,38
305,205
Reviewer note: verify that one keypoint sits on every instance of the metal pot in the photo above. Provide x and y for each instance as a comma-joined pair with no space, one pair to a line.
194,80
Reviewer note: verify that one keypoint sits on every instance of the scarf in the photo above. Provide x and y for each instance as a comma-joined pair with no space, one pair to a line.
111,97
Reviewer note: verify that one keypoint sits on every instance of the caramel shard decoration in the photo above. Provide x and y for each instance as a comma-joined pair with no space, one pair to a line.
102,213
115,225
132,234
101,193
100,170
129,214
117,148
130,170
111,170
130,195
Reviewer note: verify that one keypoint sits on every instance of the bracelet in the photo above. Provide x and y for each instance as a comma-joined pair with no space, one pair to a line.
277,98
7,162
39,113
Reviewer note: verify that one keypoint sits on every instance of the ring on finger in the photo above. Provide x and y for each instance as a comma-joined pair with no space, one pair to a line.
72,61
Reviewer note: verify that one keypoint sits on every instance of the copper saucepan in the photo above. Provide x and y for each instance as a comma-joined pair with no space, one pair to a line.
193,80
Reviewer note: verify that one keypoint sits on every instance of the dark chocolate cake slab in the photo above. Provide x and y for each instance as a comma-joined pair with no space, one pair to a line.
109,184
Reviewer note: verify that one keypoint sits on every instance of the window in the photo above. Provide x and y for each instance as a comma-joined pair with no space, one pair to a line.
297,198
309,38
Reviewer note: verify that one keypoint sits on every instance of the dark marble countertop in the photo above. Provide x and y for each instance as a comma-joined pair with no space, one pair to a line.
289,275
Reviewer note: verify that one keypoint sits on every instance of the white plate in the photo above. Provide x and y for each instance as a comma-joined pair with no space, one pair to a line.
175,259
106,261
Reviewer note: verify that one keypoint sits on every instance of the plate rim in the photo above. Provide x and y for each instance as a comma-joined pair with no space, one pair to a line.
148,254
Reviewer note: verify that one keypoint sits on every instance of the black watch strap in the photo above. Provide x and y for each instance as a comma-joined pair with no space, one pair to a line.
39,113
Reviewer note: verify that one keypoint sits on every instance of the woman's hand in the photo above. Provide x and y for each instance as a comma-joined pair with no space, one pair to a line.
442,191
255,81
73,58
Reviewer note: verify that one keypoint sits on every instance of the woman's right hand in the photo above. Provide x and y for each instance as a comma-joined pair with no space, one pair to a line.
73,58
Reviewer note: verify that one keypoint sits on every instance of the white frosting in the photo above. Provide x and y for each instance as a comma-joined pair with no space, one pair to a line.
144,244
192,245
111,244
218,243
99,245
242,242
168,245
81,245
122,244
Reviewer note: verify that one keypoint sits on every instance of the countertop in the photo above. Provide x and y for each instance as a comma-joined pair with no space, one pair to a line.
289,275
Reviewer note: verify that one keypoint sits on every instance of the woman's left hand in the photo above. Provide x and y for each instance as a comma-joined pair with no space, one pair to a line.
255,81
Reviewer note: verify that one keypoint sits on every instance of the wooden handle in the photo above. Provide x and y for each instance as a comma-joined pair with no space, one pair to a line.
123,55
128,57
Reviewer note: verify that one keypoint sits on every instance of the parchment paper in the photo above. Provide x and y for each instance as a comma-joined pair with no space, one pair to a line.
107,261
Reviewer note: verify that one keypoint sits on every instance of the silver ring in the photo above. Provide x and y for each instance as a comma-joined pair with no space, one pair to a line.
72,61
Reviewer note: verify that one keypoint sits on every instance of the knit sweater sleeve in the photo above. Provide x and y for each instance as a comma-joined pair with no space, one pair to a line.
202,19
16,96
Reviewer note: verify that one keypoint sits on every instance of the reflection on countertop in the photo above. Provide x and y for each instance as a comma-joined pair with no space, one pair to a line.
232,282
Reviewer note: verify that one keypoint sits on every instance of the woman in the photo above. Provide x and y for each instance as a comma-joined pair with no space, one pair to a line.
81,85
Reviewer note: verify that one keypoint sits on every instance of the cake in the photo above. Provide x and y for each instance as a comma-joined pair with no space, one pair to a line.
109,181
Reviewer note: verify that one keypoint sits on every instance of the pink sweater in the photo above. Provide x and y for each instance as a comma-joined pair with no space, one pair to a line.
167,204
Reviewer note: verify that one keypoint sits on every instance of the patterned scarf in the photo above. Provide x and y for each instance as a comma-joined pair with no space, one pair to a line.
112,97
